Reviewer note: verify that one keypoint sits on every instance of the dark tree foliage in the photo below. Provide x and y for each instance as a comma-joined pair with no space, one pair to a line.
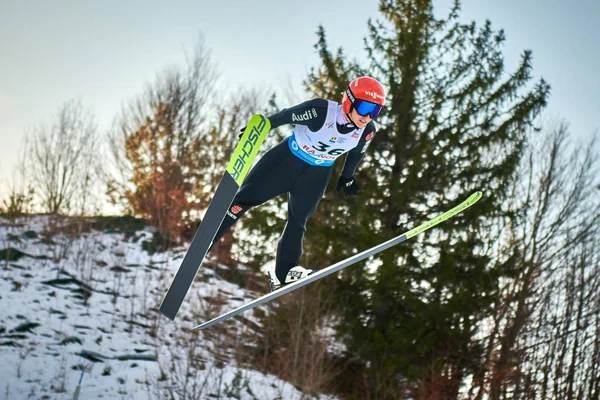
455,122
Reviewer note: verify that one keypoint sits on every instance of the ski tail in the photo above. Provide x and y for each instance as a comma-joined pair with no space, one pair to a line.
347,262
237,169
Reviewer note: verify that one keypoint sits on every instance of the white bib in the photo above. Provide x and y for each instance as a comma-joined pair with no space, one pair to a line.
324,146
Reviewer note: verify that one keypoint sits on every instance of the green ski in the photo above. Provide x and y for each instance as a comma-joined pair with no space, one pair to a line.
238,167
345,263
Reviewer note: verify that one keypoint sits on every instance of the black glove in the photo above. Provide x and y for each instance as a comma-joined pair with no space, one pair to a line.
349,185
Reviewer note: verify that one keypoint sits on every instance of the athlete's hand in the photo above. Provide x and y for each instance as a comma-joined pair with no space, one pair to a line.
348,184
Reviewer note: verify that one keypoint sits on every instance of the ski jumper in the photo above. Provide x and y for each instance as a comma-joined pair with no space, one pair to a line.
300,166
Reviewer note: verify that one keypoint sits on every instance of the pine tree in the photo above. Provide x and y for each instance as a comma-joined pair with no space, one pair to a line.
455,122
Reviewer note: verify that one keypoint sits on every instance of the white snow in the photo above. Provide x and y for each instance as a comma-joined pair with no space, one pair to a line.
99,293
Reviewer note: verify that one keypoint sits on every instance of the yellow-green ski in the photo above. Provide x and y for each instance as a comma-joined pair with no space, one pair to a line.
347,262
238,167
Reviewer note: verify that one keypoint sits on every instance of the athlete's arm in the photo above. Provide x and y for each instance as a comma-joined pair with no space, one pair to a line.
311,113
356,154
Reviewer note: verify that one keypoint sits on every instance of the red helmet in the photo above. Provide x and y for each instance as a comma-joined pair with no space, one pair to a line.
365,89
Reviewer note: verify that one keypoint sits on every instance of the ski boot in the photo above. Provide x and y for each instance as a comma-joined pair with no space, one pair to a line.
294,274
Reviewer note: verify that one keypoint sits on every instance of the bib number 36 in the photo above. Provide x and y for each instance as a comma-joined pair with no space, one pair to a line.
324,148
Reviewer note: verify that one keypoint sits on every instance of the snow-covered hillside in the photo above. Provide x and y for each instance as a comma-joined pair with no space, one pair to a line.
88,302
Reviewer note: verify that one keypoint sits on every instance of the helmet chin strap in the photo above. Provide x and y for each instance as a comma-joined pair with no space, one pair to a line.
350,118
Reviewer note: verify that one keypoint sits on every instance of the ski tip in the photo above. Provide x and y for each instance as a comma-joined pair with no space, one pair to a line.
475,197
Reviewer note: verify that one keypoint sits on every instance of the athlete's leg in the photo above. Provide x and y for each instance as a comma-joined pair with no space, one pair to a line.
303,200
273,175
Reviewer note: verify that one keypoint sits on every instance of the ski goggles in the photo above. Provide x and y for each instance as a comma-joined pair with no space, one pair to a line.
365,108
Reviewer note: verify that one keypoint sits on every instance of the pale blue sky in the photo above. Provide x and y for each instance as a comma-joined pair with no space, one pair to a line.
105,51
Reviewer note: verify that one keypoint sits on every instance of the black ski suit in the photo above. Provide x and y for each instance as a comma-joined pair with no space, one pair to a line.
281,170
